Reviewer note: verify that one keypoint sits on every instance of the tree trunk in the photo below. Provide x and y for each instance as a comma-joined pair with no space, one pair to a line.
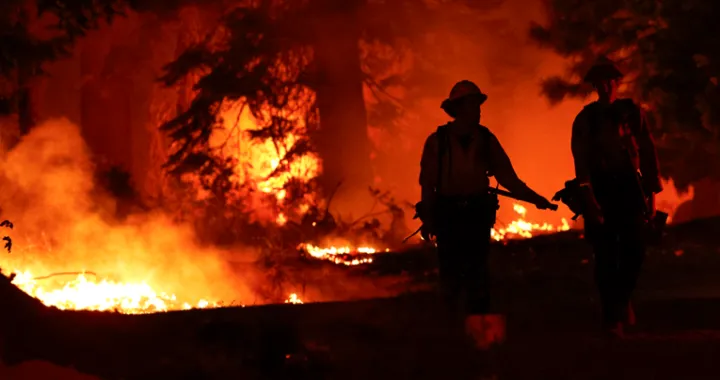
26,109
91,57
342,142
106,98
25,102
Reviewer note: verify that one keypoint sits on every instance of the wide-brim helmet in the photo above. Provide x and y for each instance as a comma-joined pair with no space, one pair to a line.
462,90
603,70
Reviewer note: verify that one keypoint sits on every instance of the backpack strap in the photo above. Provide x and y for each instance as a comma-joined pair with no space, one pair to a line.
443,138
624,110
485,149
630,110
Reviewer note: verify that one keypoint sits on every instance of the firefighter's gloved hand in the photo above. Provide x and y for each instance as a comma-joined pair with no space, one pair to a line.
427,231
545,204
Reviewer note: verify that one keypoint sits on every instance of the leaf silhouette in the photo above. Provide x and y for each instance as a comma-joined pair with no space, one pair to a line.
8,243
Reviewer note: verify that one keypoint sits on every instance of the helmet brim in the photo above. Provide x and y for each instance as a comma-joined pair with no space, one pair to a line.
600,73
448,105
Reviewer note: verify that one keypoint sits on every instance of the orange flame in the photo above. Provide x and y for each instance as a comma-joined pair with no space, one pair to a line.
350,256
258,161
150,263
82,293
344,255
522,229
294,299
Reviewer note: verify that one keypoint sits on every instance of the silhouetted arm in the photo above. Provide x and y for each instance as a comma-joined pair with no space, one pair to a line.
580,146
429,171
501,167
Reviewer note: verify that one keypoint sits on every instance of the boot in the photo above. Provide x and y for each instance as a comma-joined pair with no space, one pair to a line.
485,329
630,315
614,330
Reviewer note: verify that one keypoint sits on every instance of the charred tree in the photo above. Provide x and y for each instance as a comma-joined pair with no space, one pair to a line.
26,101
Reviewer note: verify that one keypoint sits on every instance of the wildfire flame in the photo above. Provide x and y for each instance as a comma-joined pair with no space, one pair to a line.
522,229
350,256
148,262
294,299
258,162
345,255
83,293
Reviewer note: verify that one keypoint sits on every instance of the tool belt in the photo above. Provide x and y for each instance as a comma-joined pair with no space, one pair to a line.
476,209
655,228
571,195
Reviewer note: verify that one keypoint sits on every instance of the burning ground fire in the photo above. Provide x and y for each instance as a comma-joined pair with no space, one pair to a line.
349,256
84,293
522,229
342,255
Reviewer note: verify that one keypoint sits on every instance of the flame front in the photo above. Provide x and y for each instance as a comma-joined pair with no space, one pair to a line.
83,293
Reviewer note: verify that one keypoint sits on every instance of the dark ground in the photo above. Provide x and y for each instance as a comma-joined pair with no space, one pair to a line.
543,286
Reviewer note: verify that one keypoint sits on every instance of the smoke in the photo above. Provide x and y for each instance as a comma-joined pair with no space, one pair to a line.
64,223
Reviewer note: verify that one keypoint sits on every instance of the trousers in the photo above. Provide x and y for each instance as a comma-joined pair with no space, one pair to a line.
619,252
619,243
463,245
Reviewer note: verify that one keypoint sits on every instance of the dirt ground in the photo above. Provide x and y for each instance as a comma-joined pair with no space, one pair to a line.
543,287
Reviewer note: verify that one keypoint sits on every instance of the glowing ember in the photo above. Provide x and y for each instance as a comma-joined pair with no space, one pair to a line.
521,228
281,219
342,255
